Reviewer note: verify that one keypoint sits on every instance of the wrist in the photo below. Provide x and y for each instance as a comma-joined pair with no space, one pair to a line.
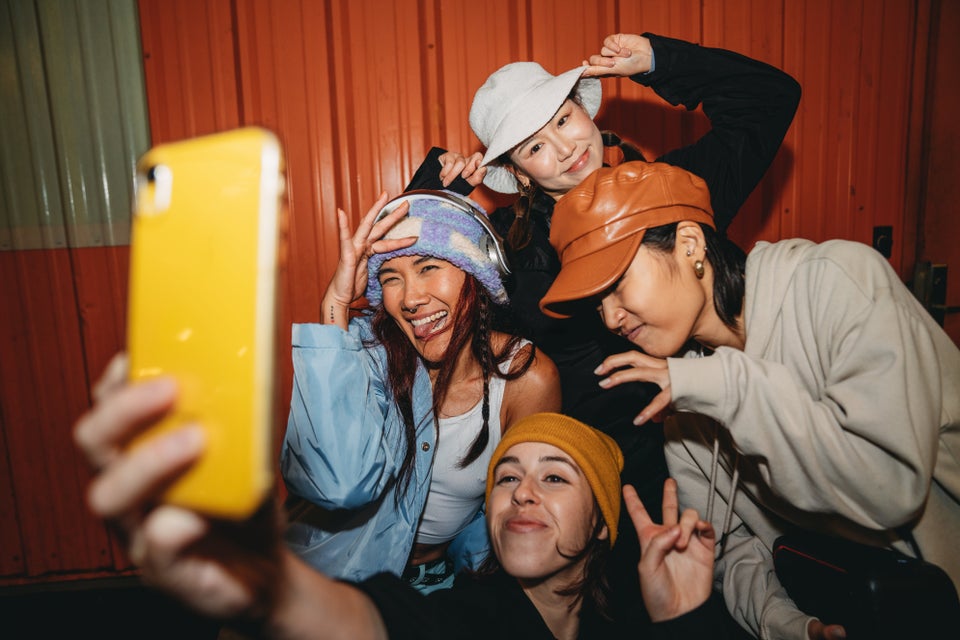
334,311
307,600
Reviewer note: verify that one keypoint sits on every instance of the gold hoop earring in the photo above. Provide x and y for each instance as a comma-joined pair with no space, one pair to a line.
698,269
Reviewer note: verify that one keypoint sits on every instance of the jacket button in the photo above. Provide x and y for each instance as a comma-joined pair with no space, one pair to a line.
425,446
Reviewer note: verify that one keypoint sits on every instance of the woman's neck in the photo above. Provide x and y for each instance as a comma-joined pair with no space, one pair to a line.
465,367
711,331
721,335
561,613
464,388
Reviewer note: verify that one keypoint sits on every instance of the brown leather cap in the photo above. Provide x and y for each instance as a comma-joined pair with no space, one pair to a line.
598,225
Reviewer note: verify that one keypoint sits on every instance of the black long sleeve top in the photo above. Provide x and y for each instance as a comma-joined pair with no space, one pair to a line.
750,106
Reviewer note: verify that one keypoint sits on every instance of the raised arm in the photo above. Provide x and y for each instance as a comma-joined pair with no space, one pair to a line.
676,569
451,170
349,281
750,105
676,561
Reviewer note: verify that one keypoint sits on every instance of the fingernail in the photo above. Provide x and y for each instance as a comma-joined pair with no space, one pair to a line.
163,386
187,439
639,420
598,370
605,382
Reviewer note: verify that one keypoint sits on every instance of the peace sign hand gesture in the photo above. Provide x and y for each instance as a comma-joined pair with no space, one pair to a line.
676,557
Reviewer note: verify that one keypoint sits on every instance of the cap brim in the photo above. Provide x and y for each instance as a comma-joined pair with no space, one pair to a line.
589,276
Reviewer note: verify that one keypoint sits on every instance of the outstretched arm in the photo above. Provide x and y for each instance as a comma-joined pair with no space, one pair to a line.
228,571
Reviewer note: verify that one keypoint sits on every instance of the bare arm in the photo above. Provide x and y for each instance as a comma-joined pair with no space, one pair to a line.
314,606
536,391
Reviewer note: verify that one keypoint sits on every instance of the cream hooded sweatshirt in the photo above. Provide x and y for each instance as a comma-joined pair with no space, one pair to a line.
841,414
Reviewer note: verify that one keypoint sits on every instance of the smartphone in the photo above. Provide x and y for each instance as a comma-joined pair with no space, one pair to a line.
204,250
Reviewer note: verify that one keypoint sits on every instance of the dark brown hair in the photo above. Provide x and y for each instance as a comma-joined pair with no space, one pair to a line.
471,330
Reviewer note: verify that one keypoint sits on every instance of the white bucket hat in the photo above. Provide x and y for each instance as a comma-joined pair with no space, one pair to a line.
515,102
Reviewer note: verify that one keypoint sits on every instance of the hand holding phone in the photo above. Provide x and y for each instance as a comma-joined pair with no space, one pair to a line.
202,304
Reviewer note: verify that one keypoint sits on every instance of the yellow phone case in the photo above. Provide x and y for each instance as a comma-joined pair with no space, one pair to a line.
203,270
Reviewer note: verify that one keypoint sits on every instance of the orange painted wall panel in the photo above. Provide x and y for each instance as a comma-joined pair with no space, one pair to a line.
11,540
44,381
189,67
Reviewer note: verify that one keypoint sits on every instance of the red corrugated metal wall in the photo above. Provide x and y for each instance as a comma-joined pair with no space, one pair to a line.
358,90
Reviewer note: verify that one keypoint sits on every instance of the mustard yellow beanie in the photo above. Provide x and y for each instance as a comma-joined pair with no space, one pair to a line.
596,453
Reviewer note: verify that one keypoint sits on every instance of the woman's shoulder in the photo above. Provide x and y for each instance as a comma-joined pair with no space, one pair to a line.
859,262
522,350
536,389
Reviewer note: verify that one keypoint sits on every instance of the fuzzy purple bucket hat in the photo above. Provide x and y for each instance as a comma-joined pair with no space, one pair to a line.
445,230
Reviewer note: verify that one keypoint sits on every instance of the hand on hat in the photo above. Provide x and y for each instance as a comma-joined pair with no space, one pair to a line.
468,168
622,55
633,366
350,279
676,557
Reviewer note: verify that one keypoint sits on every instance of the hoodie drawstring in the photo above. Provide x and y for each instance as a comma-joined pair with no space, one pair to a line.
728,513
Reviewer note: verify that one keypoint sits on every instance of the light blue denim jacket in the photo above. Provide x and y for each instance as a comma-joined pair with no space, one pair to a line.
342,452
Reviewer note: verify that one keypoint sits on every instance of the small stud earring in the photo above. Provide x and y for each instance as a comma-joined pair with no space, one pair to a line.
689,252
698,269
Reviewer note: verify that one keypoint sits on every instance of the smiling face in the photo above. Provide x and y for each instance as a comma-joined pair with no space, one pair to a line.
658,303
563,152
541,513
421,294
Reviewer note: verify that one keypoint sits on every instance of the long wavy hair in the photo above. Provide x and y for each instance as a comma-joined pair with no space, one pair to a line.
471,330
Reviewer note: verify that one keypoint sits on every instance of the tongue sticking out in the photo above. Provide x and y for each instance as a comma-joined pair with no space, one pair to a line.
426,330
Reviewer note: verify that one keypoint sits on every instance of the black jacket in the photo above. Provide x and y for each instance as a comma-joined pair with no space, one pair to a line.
496,607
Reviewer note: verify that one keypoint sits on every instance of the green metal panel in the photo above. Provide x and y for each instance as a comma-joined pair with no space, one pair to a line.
73,120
